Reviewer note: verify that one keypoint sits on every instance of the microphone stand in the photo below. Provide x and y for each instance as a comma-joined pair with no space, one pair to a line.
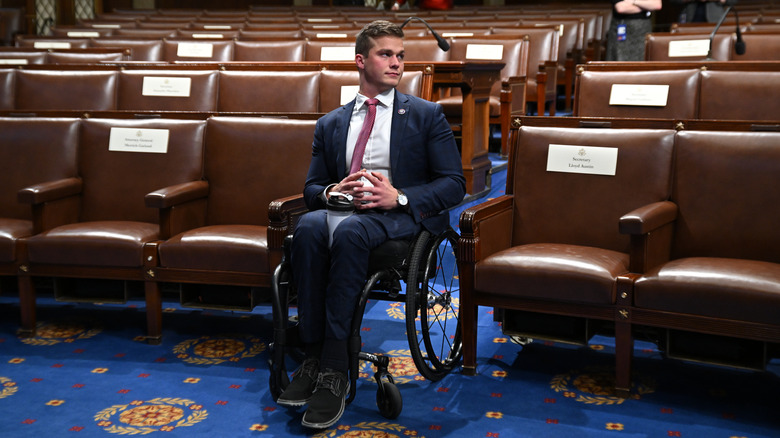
714,31
443,44
739,45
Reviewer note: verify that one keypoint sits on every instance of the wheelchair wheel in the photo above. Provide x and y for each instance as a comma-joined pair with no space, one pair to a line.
433,305
388,397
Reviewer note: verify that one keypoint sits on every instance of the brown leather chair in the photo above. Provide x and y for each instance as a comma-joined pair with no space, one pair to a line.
33,151
542,74
251,163
207,34
507,93
314,50
718,269
550,247
88,56
51,42
145,33
594,89
7,89
99,223
255,33
141,49
21,56
760,46
739,95
66,90
268,91
657,46
202,96
289,50
178,50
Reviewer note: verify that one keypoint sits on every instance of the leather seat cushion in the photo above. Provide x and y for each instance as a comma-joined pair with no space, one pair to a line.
745,290
10,231
99,243
453,106
549,271
238,248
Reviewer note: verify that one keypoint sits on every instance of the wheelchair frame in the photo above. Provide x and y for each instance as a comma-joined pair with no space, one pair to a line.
432,314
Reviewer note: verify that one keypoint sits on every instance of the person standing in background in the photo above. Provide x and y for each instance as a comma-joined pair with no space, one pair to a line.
701,11
631,21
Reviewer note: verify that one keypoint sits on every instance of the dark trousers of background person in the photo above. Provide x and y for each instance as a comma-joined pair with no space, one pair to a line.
632,48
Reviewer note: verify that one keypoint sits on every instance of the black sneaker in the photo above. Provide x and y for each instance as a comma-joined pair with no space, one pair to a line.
299,391
327,402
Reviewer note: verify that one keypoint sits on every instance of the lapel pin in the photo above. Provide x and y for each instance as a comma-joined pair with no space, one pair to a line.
402,111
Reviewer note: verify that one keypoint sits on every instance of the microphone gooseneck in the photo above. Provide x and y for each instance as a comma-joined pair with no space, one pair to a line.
739,46
443,44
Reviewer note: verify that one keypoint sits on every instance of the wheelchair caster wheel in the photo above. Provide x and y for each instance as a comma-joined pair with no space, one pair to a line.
388,398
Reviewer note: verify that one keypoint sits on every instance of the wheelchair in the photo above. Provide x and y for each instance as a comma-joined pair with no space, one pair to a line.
427,266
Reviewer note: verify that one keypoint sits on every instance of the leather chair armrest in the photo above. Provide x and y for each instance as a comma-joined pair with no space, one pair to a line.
651,228
485,229
648,218
49,191
182,207
283,214
513,93
177,194
53,203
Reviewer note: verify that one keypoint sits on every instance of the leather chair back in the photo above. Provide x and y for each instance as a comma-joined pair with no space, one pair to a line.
66,90
739,95
140,49
251,161
115,183
724,175
657,46
291,50
32,151
202,93
179,50
314,50
574,208
268,91
7,89
594,89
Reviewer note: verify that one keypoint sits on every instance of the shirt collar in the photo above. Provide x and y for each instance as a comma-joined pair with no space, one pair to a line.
386,99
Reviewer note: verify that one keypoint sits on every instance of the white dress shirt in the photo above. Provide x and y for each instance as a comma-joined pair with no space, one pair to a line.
376,157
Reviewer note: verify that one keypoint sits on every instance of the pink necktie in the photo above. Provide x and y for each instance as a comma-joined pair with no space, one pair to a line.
365,132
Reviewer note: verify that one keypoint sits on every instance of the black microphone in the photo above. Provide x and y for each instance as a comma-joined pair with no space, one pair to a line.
443,44
739,46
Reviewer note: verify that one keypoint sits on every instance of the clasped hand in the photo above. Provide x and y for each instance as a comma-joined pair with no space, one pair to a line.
381,195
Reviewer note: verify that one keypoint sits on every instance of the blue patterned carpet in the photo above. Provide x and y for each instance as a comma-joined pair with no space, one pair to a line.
87,374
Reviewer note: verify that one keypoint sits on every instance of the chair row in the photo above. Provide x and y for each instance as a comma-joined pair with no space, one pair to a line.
637,230
679,90
679,46
103,206
277,88
10,56
293,87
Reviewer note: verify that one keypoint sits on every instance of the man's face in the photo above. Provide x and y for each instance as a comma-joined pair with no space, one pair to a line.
383,67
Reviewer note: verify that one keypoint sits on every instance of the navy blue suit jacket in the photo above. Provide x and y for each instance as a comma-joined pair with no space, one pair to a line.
424,159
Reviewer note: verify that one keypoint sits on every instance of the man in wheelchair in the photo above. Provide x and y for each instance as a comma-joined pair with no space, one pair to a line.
396,156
